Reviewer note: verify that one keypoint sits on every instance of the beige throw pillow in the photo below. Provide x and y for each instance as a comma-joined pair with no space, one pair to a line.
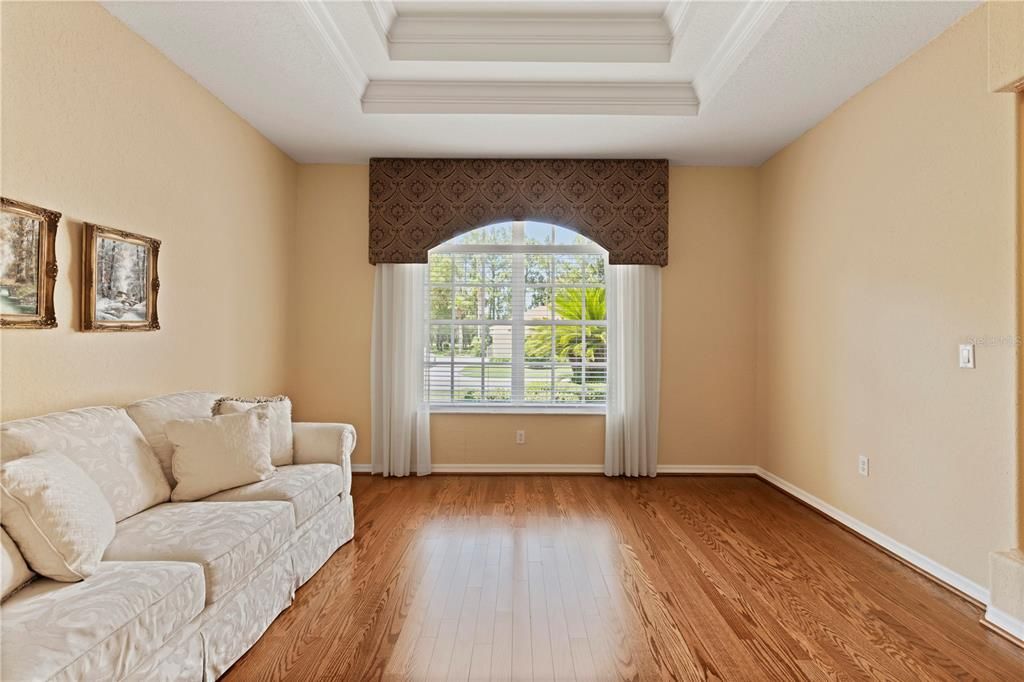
218,453
56,514
14,572
280,410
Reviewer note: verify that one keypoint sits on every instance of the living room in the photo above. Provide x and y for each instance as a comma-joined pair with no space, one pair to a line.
532,340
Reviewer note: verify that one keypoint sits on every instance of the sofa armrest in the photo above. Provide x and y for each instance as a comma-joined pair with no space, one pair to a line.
316,443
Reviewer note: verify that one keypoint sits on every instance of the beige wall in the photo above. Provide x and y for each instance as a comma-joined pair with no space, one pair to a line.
1006,46
708,318
100,126
332,287
888,238
707,404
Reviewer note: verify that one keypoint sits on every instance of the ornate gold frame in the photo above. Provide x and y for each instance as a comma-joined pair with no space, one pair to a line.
46,267
89,321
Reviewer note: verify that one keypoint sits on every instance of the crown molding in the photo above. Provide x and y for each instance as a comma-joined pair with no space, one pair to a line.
517,97
382,16
749,27
677,17
508,38
333,41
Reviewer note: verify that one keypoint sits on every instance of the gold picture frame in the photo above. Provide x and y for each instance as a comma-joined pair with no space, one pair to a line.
28,265
120,283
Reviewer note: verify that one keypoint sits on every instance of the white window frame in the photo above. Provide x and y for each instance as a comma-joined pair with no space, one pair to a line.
518,250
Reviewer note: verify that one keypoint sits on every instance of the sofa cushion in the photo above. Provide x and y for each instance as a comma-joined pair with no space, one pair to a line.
152,414
14,571
105,443
100,628
308,487
227,540
56,514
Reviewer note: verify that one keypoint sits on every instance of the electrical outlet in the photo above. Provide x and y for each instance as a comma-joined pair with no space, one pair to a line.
863,465
520,437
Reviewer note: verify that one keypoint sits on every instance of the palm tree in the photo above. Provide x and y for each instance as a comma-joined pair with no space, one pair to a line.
573,342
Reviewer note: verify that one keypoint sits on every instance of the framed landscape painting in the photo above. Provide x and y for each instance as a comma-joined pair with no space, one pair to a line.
119,280
28,265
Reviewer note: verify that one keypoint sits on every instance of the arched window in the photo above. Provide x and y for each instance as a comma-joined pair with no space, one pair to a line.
517,318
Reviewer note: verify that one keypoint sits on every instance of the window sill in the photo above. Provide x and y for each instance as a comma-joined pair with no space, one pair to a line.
516,409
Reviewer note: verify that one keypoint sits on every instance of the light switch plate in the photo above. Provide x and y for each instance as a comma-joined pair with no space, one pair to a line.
967,355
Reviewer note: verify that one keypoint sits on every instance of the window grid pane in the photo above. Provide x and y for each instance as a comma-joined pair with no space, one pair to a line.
516,328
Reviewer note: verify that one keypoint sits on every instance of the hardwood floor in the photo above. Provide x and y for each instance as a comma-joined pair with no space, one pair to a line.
589,578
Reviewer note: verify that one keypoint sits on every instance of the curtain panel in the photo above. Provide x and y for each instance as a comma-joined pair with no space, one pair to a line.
416,204
634,370
400,426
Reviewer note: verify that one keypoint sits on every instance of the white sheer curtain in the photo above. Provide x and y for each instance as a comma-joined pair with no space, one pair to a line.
401,417
634,370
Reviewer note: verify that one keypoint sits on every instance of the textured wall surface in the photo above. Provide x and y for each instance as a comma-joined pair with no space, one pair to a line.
887,238
101,127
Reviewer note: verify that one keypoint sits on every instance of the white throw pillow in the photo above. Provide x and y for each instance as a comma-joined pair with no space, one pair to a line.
280,410
218,453
56,514
14,572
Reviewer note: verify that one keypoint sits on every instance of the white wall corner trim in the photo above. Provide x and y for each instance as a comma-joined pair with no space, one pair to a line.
749,27
519,97
678,15
1000,620
333,41
911,556
382,16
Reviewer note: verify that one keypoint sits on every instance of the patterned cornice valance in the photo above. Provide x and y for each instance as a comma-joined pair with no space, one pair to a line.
416,204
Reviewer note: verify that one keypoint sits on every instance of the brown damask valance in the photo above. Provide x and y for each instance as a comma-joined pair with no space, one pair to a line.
416,204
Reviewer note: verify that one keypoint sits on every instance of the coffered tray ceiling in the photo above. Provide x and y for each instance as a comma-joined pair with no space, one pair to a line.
696,82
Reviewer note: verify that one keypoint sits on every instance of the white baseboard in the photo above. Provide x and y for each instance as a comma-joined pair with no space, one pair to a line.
518,469
911,556
503,469
572,469
712,469
1001,620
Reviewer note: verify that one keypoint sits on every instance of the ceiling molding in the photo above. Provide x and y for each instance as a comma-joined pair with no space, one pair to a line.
518,38
677,17
382,16
333,41
749,27
534,97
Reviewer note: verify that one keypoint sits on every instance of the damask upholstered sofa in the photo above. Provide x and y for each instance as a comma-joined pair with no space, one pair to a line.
185,588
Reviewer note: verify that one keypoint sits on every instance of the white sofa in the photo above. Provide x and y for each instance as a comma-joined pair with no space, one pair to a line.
185,588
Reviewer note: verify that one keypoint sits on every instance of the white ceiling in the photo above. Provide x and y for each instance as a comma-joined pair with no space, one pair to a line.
697,82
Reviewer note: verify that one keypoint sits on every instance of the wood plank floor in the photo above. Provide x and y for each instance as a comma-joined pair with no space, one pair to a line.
589,578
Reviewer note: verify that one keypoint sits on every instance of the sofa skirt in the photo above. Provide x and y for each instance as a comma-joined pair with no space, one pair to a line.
209,645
